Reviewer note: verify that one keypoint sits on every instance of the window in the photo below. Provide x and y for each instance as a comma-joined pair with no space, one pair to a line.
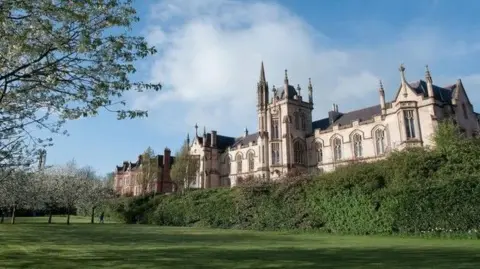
228,164
297,121
409,123
263,154
337,149
275,129
357,145
464,109
251,161
380,141
239,163
299,152
319,150
275,153
303,122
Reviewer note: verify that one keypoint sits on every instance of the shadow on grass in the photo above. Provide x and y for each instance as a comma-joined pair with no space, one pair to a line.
138,246
227,258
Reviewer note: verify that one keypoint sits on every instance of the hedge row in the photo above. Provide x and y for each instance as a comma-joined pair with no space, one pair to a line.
415,191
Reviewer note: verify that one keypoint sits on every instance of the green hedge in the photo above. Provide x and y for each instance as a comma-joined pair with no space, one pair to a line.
412,192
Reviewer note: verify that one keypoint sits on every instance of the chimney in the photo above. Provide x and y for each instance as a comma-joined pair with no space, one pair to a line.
166,169
333,114
214,139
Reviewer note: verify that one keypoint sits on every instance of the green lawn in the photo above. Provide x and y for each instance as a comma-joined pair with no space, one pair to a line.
38,245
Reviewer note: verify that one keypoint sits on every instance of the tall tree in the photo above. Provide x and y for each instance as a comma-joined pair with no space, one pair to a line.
185,168
62,60
148,172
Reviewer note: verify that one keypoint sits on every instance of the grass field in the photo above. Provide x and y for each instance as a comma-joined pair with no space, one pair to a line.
38,245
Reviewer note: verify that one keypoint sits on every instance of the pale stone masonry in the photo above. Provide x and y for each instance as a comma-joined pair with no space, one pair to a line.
287,139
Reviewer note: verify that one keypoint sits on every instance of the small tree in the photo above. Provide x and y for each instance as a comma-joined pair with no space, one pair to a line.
185,168
73,184
15,191
96,193
148,172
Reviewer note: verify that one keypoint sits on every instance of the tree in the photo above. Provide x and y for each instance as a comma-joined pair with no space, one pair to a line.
148,172
62,60
50,189
95,194
73,184
15,191
185,168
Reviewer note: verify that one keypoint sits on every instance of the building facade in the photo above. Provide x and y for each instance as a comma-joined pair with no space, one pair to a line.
128,180
289,140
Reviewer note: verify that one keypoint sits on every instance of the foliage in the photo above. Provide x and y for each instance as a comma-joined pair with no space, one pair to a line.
149,171
184,170
62,60
416,191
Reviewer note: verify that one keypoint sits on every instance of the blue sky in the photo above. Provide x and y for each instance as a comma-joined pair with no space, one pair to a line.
210,53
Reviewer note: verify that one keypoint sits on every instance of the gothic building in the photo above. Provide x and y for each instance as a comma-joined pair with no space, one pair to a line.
128,179
288,139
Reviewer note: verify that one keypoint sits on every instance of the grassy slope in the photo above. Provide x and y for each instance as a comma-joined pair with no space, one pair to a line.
140,246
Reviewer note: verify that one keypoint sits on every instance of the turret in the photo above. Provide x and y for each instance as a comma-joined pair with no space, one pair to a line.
382,97
428,78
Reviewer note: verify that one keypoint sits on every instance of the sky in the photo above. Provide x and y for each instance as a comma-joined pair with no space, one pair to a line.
210,51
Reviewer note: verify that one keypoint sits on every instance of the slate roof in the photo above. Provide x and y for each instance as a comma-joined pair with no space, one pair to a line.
443,94
245,140
281,92
133,165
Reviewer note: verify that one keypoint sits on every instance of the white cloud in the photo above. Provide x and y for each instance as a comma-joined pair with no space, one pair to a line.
210,54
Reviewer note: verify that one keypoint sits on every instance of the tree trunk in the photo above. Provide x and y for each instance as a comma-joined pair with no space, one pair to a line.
2,217
13,213
50,217
92,220
68,216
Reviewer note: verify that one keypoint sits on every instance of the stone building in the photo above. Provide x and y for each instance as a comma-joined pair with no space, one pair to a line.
288,139
128,177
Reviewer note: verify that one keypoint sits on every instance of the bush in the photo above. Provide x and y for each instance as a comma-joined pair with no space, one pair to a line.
417,191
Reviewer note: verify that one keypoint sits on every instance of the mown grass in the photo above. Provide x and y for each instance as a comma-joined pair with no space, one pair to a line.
38,245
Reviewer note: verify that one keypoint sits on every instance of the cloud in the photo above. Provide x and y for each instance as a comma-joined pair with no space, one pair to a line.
210,53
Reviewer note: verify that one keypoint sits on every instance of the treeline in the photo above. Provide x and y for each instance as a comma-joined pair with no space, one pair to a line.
64,189
416,191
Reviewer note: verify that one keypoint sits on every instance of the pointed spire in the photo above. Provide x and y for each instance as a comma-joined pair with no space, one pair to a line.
246,131
428,76
299,90
188,138
262,73
196,129
310,90
286,77
204,130
402,73
381,87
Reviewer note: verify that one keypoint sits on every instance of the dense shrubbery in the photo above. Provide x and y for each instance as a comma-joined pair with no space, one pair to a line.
411,192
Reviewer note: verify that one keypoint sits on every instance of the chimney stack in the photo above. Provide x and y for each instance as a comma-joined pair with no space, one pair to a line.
214,139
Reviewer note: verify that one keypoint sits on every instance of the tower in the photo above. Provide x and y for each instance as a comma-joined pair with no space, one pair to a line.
262,101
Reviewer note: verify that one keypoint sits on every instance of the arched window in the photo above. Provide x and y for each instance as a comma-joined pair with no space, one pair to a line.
228,163
303,122
299,152
297,121
239,163
275,134
357,145
319,151
380,141
337,149
251,161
